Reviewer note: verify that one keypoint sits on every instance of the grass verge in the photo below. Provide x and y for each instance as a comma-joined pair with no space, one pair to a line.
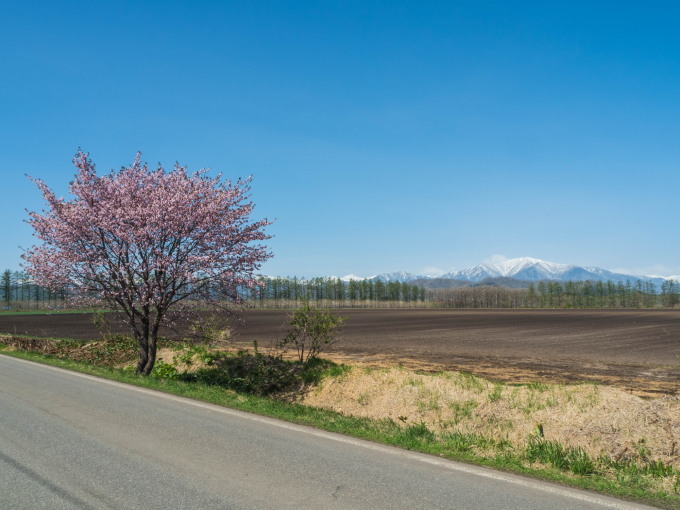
542,459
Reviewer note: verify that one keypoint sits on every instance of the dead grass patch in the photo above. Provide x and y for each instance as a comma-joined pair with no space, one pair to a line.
601,420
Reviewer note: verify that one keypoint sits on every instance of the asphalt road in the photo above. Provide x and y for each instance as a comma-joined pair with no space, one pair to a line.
70,441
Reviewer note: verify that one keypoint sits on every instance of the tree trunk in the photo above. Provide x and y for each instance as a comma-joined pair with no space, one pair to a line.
151,354
151,343
143,352
146,335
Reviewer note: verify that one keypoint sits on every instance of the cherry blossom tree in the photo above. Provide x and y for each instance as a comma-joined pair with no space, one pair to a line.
148,242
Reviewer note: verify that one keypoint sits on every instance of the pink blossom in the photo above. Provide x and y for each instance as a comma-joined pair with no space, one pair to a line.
146,241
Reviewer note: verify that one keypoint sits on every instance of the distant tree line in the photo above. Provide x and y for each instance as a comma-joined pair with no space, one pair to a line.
18,292
547,294
328,291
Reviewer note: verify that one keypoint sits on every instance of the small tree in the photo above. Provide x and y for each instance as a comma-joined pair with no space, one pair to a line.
6,286
311,331
148,241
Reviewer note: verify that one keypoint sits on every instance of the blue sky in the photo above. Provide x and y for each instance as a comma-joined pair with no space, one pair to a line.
381,136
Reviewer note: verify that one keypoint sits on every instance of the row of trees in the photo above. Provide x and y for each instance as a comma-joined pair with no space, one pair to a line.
642,294
284,292
19,292
544,294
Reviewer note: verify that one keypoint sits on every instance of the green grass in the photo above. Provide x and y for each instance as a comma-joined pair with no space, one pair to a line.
541,459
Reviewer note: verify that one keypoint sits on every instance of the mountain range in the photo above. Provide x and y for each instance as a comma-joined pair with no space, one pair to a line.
526,269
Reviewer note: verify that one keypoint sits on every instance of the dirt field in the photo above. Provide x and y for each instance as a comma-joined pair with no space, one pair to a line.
635,350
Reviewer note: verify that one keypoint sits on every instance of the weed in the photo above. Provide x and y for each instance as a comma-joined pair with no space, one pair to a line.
463,410
415,382
501,423
571,459
658,469
538,430
642,450
468,381
163,369
653,468
364,399
460,442
532,403
496,392
579,462
418,432
330,369
188,354
465,442
537,386
590,400
547,452
428,400
551,402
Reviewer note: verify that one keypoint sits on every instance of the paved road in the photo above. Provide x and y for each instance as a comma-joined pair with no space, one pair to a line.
69,441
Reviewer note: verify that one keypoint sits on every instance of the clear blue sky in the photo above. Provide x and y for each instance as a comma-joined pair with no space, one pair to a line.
381,136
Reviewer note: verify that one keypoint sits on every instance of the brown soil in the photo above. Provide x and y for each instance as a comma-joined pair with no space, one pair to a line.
635,350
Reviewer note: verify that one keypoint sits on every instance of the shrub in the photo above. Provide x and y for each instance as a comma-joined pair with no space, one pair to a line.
311,331
211,330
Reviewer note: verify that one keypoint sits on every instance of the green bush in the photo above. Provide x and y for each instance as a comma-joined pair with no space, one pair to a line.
311,331
163,369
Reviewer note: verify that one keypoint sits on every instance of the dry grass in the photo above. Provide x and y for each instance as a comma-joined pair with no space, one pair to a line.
603,421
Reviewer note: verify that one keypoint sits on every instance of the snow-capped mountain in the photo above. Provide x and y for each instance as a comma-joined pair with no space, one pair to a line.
529,269
397,276
349,277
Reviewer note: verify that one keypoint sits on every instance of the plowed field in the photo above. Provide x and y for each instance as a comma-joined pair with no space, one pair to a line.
637,350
